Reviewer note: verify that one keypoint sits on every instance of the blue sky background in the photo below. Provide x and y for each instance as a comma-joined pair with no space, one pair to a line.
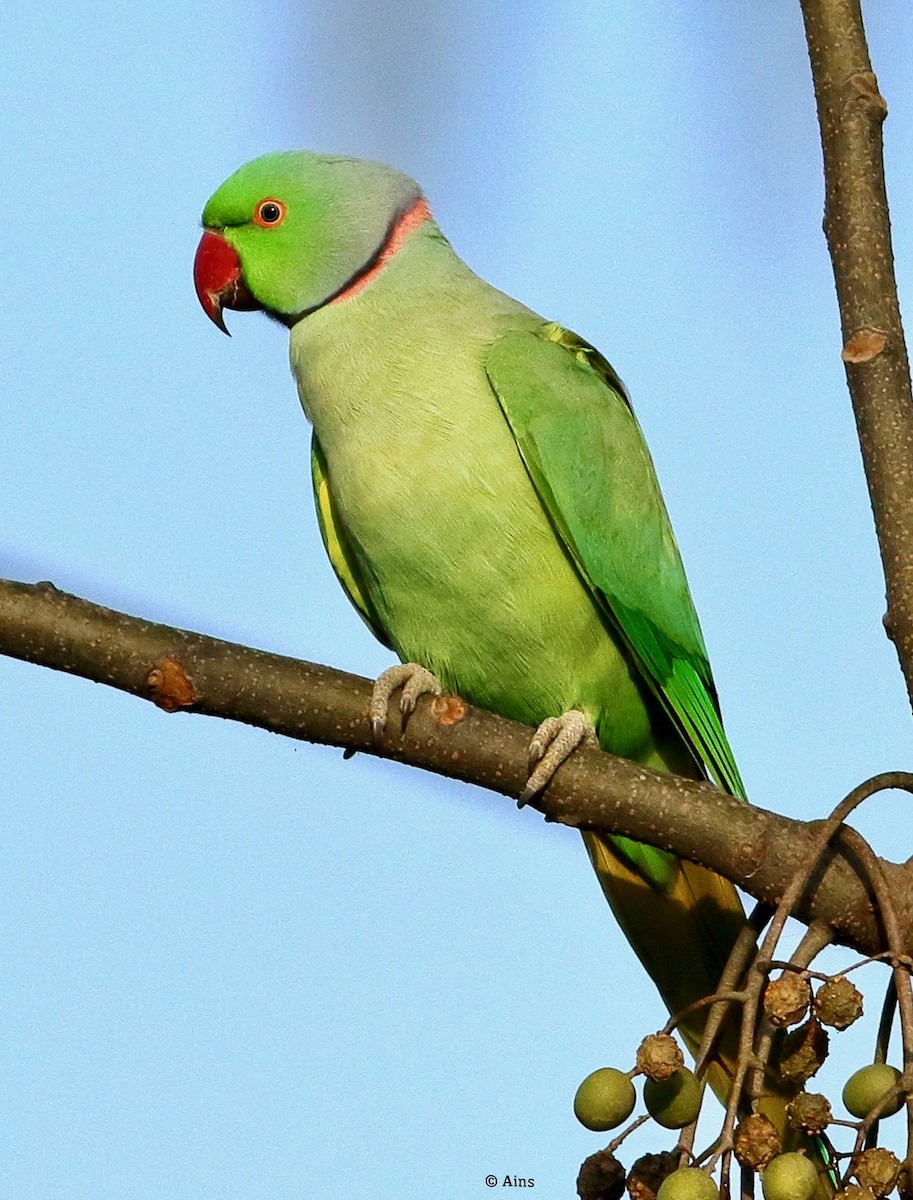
237,966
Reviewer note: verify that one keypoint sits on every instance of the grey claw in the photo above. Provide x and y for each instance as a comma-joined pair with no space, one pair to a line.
415,681
553,742
526,795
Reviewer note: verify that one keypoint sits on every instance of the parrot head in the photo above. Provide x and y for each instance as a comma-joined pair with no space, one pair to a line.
287,233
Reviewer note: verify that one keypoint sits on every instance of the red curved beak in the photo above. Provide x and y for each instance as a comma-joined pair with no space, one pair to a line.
217,278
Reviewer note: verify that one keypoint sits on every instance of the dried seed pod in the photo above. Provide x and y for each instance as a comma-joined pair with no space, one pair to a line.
877,1169
803,1051
601,1177
659,1056
756,1141
786,999
648,1173
855,1191
905,1183
809,1112
838,1003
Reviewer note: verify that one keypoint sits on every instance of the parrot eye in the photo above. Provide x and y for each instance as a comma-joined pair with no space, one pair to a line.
269,212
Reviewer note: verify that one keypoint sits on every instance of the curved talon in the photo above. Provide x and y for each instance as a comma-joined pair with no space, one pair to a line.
554,741
420,683
415,681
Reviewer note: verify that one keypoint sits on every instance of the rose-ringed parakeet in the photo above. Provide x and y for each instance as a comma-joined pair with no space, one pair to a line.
488,503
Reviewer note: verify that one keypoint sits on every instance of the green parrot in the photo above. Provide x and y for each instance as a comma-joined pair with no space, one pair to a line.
488,502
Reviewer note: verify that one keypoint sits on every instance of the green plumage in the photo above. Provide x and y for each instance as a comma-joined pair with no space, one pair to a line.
488,502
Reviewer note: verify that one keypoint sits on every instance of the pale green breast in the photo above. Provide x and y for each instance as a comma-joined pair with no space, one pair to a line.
463,568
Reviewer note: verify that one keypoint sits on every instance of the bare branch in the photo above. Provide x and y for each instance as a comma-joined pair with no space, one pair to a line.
758,850
850,112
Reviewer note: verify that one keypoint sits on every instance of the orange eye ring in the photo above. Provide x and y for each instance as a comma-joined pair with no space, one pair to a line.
269,213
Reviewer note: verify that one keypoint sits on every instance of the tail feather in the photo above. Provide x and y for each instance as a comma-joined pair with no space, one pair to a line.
683,934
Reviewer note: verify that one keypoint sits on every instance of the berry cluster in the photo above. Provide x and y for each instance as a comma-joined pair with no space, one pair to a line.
774,1129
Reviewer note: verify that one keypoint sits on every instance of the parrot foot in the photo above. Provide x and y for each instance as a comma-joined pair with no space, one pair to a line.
555,740
415,681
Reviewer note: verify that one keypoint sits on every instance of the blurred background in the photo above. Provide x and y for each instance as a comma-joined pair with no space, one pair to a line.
238,966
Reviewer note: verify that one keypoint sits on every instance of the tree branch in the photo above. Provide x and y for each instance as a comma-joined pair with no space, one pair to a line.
178,670
856,223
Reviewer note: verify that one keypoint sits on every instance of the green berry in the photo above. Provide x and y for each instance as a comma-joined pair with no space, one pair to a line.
688,1183
673,1102
604,1099
789,1177
864,1089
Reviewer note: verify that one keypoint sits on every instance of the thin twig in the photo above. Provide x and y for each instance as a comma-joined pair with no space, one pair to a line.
626,1132
742,953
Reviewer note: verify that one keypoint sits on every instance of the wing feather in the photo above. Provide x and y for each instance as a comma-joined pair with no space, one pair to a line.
589,463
